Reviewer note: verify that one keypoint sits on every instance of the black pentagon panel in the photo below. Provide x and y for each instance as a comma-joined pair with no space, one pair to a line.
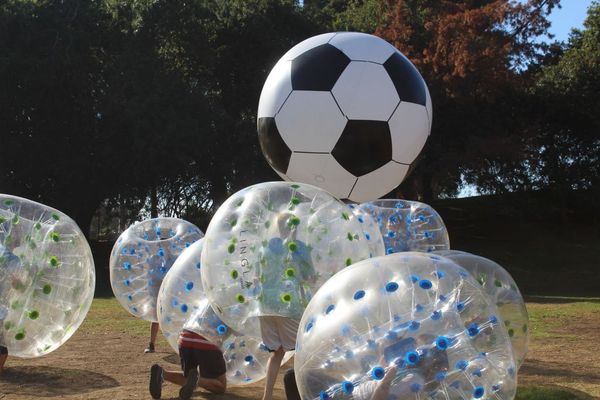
273,147
364,146
318,68
406,78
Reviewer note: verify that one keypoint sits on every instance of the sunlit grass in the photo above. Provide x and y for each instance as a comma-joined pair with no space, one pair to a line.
107,316
546,319
549,393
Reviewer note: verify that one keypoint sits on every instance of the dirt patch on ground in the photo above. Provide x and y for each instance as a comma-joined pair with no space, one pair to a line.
101,362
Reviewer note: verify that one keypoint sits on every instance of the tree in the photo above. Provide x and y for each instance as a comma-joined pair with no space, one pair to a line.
52,61
149,104
566,141
470,54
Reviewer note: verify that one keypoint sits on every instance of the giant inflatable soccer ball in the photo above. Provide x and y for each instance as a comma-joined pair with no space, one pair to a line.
346,112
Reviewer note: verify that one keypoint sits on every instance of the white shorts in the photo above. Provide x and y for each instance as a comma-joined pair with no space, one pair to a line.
279,332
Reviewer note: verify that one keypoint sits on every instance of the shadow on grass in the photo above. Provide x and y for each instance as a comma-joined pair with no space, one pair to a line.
52,382
172,359
536,367
550,392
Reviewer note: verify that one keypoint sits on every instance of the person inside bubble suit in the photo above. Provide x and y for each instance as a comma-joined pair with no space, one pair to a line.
284,252
401,380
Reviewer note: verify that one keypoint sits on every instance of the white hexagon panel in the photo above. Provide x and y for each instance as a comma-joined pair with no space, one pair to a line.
310,121
365,91
377,180
320,170
279,87
410,127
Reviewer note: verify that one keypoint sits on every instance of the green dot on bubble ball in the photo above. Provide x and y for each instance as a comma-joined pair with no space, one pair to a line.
2,220
38,226
290,272
47,289
345,215
511,332
15,220
294,186
348,262
286,297
234,274
55,217
350,236
54,261
240,298
55,236
20,335
295,221
295,201
34,314
292,246
497,283
231,248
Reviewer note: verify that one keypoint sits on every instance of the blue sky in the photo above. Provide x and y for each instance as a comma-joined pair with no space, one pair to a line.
571,15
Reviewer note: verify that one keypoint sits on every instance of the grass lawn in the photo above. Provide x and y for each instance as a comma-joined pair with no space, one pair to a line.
104,359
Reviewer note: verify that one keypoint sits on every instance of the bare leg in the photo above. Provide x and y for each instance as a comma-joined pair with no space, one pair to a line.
215,385
383,387
153,332
3,358
272,369
175,377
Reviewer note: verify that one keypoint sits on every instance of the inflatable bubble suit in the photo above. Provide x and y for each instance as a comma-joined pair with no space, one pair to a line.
503,291
417,316
408,225
245,356
270,246
370,230
180,293
47,277
141,258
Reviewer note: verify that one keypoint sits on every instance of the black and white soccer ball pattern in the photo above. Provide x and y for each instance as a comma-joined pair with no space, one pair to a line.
346,112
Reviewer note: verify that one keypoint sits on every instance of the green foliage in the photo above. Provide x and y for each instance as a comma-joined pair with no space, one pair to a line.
135,107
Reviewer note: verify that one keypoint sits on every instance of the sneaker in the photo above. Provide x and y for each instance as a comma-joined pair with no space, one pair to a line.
156,381
150,348
190,385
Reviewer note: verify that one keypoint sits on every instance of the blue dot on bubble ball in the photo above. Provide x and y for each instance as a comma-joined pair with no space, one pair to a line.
425,284
378,373
189,286
347,387
478,392
391,287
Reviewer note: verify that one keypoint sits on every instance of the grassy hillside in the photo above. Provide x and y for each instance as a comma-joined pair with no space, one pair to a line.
550,245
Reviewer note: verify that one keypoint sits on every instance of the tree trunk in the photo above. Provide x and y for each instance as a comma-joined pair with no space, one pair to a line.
153,202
